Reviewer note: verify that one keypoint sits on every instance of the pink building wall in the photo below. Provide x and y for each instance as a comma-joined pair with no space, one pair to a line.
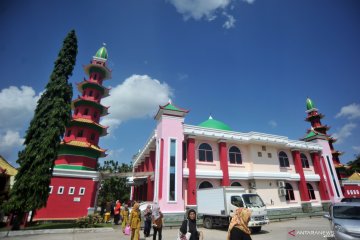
329,170
170,127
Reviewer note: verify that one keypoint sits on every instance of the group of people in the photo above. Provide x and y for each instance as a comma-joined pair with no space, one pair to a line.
153,217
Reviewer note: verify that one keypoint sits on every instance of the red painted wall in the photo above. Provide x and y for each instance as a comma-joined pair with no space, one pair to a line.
62,206
191,194
351,191
304,195
225,181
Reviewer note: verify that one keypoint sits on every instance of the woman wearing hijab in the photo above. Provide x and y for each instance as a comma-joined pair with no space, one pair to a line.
238,228
125,217
157,219
135,219
189,225
147,217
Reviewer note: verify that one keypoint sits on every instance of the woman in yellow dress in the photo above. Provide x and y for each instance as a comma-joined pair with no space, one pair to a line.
135,219
125,217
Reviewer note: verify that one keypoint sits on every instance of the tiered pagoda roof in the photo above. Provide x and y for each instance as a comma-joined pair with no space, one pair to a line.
75,147
82,101
90,124
85,84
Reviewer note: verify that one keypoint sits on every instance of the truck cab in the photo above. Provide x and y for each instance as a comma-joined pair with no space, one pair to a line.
218,205
254,203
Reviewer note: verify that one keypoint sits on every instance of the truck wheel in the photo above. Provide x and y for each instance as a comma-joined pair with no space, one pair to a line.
208,222
255,229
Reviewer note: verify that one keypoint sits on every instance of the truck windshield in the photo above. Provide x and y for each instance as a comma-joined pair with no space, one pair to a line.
253,200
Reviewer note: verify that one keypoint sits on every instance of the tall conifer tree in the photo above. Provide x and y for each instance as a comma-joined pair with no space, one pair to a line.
43,137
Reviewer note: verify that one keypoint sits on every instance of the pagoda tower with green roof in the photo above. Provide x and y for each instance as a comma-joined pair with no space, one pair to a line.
329,161
320,131
74,184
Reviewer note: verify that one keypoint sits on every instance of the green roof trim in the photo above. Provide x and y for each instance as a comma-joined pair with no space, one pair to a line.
310,134
102,53
212,123
100,130
73,167
309,104
78,151
94,86
172,107
103,110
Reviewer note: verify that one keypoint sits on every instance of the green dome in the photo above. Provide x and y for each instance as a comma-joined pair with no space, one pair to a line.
102,53
212,123
309,104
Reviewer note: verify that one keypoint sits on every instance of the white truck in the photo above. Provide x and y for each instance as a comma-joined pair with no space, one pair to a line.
218,205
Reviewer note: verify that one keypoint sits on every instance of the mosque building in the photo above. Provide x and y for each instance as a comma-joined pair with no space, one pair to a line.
289,175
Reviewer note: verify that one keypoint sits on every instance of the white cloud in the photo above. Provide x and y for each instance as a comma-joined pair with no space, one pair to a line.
356,148
199,9
138,96
344,132
230,23
182,76
10,144
17,107
114,154
351,111
207,9
272,123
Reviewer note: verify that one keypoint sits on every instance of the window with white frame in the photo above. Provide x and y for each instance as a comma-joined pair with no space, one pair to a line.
289,192
311,191
71,190
172,171
205,184
304,161
205,153
82,191
60,190
283,159
51,189
235,155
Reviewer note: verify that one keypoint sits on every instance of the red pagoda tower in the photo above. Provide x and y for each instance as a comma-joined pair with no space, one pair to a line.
74,183
330,156
314,117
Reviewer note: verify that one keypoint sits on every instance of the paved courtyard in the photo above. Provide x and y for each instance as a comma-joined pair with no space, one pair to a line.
275,230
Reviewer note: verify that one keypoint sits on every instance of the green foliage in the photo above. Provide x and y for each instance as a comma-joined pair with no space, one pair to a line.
42,140
89,221
114,188
354,165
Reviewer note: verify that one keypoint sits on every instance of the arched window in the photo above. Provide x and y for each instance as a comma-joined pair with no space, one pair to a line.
304,161
236,184
311,191
205,153
283,159
90,93
235,155
68,133
289,192
86,111
94,76
205,184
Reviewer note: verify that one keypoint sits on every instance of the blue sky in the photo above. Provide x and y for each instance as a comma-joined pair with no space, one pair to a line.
250,64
